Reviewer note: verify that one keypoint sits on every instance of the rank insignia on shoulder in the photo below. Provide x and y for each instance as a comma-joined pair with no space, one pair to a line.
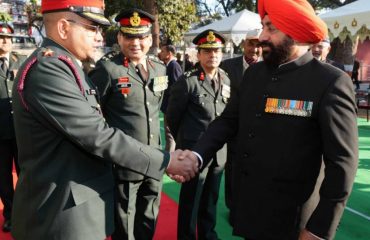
160,83
225,91
124,85
299,108
47,52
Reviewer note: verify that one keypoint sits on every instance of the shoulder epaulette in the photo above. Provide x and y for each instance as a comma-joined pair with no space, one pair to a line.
109,55
190,72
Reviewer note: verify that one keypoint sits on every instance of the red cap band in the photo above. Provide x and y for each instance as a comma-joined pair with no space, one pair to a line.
50,5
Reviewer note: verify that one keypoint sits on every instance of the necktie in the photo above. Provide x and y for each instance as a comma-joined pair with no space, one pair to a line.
141,71
3,65
214,83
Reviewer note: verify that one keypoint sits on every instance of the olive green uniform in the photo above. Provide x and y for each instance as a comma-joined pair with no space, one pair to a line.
132,105
65,188
8,146
193,105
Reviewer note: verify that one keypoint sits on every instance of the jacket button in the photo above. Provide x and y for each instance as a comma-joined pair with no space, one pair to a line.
251,135
150,120
274,79
265,95
258,115
9,90
10,101
147,103
11,112
151,136
217,114
216,101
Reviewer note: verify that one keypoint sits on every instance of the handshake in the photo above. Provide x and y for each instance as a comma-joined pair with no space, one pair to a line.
183,165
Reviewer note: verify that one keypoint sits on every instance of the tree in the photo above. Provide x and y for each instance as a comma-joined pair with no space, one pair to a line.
175,18
5,17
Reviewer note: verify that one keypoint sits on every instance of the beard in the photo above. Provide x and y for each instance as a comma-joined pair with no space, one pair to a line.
278,54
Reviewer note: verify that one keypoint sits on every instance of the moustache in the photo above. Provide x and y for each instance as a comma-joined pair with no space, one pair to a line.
265,44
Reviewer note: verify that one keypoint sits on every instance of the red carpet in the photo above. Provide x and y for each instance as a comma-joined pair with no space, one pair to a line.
166,226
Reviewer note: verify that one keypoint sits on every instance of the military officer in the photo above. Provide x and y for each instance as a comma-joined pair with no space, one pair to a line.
196,99
131,88
9,64
65,187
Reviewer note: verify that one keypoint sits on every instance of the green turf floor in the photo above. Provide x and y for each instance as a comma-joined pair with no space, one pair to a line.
354,226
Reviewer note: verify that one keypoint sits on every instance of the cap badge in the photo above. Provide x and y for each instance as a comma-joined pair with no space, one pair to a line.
135,19
211,37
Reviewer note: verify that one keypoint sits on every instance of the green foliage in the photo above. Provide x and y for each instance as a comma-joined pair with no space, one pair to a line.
175,17
5,17
113,7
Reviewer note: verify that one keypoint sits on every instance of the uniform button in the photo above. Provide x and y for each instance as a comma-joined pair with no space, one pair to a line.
216,101
217,114
147,103
9,90
258,115
10,101
151,136
274,79
146,87
202,103
98,105
251,135
11,112
150,120
265,95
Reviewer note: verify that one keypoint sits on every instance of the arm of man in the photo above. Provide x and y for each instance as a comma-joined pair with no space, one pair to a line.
337,119
55,100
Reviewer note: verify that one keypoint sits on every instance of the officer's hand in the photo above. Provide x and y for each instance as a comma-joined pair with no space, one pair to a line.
183,165
306,235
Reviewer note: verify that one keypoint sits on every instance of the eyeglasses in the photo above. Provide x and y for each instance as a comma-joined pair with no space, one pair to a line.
94,28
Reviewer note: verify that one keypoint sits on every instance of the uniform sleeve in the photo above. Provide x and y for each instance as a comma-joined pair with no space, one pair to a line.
177,105
102,80
55,100
337,118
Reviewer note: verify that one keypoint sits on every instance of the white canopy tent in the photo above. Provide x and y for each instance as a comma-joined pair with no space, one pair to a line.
233,28
350,20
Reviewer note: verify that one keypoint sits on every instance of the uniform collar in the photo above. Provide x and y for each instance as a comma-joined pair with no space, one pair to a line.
296,63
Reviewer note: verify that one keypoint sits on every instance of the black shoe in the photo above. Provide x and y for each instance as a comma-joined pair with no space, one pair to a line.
7,226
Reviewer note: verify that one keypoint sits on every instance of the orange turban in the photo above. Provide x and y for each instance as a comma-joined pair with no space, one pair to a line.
296,18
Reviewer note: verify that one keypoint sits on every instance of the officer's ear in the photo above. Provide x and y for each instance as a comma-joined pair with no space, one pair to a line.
63,27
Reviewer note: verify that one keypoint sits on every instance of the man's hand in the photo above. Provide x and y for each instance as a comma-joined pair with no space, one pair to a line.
306,235
183,165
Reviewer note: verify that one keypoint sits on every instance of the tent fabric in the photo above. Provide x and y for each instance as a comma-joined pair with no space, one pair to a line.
349,20
234,27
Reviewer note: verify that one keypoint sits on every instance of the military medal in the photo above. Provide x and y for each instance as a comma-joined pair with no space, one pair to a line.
160,83
225,91
289,107
124,85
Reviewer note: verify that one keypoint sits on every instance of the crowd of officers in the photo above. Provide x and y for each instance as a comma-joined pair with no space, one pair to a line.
130,89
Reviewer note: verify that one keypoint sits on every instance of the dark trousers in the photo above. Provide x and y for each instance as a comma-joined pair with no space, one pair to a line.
8,152
198,204
137,206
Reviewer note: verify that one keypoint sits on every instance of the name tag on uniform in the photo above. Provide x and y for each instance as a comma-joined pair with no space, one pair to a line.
160,83
299,108
225,91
